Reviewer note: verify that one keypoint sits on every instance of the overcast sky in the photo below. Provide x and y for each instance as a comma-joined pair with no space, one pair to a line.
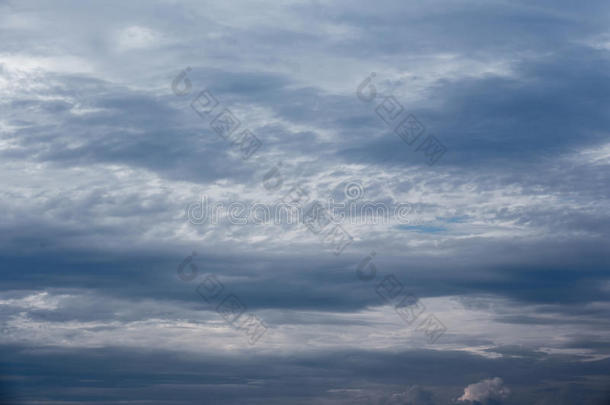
487,283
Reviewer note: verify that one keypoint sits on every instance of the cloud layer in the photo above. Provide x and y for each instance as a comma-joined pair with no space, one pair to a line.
495,282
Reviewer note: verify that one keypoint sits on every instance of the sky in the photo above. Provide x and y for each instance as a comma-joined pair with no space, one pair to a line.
146,149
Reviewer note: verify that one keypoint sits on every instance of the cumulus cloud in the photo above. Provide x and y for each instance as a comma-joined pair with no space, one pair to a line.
484,391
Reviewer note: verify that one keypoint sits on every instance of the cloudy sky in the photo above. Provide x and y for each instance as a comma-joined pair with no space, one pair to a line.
481,128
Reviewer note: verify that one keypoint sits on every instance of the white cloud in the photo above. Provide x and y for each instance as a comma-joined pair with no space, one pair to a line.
492,389
137,37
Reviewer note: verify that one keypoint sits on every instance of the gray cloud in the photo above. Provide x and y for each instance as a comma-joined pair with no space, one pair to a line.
506,245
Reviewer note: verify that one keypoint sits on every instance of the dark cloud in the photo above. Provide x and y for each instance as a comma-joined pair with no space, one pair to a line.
48,374
506,243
